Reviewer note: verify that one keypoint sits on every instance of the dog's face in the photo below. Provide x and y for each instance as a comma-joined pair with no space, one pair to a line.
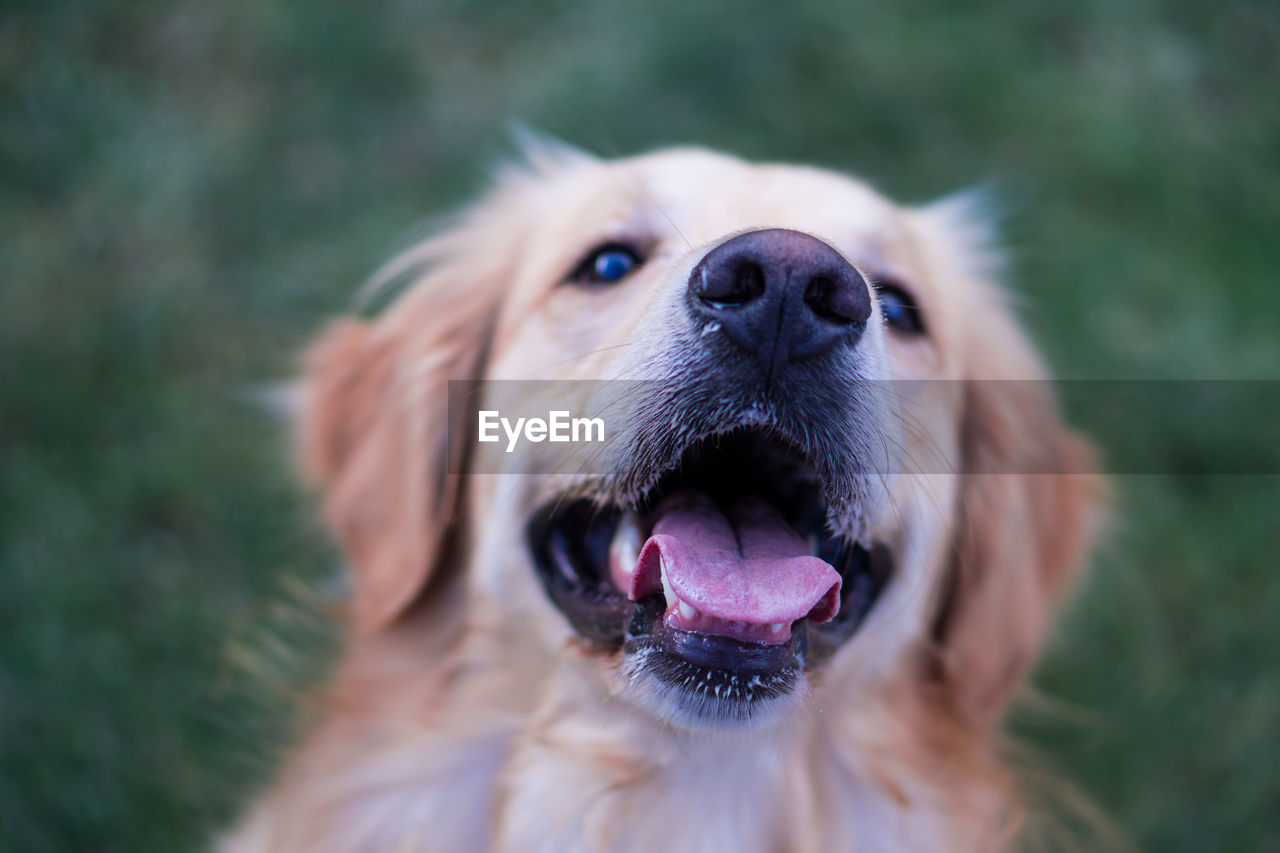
815,482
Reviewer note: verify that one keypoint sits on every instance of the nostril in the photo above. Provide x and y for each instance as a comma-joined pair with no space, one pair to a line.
838,299
726,288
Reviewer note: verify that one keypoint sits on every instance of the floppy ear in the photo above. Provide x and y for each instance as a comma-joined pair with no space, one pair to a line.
374,435
374,429
1029,497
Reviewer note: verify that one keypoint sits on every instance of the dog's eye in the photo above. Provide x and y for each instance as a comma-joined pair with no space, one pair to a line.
899,309
608,264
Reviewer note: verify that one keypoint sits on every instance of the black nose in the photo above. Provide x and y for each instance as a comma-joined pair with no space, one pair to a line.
780,295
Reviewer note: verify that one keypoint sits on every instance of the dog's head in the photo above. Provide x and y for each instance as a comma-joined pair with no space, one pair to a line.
819,479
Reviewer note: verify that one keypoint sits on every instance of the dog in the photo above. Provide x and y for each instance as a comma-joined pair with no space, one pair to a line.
780,608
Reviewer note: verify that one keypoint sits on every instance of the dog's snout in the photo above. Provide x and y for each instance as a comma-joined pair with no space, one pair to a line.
781,295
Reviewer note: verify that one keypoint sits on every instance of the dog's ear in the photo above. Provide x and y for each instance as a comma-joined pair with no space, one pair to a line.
1028,502
374,435
1029,495
374,430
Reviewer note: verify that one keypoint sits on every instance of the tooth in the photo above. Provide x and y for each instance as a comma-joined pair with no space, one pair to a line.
625,547
777,627
666,584
686,611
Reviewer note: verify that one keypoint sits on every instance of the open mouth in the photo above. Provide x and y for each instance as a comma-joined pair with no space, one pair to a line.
722,584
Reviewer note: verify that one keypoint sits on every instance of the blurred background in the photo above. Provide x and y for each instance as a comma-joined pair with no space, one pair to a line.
189,189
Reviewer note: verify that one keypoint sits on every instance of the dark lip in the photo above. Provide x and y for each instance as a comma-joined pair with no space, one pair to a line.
649,632
583,594
569,540
702,680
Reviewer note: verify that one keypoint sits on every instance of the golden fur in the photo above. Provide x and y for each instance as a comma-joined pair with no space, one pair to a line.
465,715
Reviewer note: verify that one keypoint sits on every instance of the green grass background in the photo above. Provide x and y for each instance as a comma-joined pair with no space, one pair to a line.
188,189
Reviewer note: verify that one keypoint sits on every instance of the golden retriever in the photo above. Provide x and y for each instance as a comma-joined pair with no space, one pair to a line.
780,608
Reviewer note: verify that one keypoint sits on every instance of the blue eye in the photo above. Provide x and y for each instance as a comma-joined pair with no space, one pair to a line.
614,264
899,309
608,264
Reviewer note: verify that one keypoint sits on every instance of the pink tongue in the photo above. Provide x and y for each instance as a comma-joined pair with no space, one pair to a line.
748,565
